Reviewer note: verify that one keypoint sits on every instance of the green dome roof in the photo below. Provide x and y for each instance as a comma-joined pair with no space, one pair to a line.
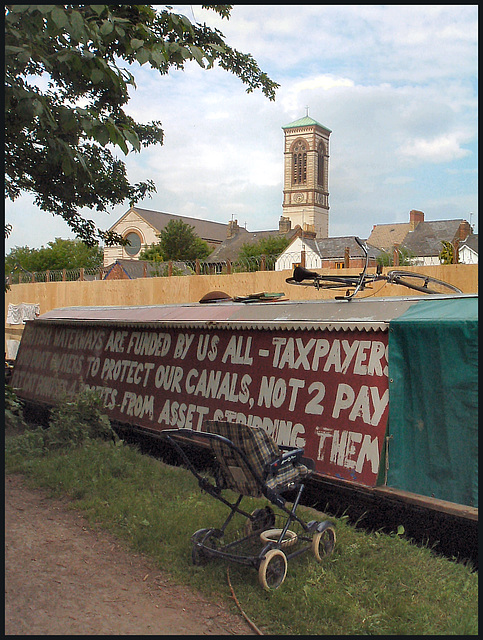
306,121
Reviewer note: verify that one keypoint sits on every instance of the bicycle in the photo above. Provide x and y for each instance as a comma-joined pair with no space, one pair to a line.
415,281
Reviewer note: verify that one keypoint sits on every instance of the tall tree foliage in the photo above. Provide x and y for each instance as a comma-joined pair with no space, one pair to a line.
59,254
270,247
66,94
177,241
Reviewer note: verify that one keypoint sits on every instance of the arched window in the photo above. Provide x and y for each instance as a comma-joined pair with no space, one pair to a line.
134,246
321,160
299,163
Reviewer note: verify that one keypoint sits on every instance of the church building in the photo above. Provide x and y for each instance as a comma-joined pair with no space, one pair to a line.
306,175
305,202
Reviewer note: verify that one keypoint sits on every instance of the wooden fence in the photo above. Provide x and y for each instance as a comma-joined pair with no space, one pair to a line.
191,288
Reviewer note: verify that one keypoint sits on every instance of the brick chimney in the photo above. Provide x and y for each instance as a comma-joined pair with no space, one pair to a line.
308,231
464,230
284,224
415,217
233,228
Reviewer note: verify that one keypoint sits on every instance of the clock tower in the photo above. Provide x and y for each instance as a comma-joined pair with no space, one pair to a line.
306,175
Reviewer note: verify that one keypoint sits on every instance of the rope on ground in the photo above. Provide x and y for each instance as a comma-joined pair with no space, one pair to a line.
252,624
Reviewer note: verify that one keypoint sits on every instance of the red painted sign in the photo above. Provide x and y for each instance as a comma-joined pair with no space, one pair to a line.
326,391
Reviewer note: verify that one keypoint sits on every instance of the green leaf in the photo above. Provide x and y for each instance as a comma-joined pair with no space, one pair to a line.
38,107
98,8
67,167
101,134
136,44
96,76
132,138
142,55
106,28
78,25
185,53
45,8
13,50
59,16
198,54
158,58
24,56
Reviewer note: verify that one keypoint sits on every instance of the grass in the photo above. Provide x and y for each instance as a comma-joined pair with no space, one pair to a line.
373,583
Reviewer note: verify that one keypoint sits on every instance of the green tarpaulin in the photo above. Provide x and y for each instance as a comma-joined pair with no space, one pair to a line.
433,400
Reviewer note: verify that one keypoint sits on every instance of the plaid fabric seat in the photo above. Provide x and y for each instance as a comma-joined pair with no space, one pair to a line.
260,450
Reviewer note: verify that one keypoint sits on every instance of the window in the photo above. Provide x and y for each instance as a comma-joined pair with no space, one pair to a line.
299,163
320,164
134,246
339,265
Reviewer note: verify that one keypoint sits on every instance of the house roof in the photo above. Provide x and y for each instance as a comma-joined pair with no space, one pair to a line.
471,242
334,248
427,237
424,240
230,247
386,236
305,122
209,231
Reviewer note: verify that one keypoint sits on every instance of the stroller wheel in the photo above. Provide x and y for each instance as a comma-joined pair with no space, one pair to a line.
323,542
273,535
273,569
260,520
200,540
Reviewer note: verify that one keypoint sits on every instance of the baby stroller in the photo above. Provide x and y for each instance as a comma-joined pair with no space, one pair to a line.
250,463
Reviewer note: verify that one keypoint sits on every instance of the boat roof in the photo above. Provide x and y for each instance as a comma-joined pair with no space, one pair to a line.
371,314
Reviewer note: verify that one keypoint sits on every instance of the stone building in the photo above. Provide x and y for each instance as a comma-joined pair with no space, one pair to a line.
142,227
306,175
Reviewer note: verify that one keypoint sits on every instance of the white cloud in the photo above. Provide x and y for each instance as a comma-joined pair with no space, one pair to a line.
444,148
396,84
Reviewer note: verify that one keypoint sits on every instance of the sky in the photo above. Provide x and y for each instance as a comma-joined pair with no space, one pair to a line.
396,85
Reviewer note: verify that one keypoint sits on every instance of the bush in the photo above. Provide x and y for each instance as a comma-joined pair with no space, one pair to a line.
14,419
78,420
72,423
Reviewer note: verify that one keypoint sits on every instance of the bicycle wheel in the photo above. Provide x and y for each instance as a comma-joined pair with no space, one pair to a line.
421,282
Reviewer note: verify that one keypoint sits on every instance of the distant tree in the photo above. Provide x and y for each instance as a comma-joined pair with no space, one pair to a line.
66,87
271,247
386,258
177,241
446,255
59,254
152,253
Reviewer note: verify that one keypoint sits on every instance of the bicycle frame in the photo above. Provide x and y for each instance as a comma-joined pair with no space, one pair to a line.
362,275
300,274
359,282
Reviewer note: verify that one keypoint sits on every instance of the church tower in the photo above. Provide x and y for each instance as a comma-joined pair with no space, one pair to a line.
306,175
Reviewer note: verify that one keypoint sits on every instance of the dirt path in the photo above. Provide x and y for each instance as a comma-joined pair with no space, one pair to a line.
63,578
